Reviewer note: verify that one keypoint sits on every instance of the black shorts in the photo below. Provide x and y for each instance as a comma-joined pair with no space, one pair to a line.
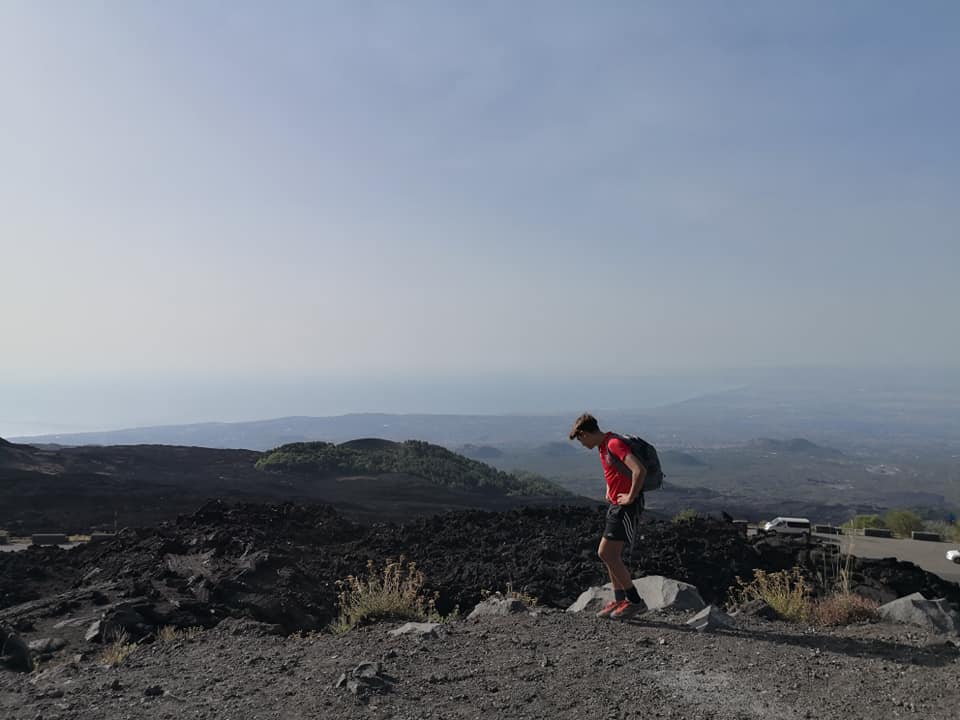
623,522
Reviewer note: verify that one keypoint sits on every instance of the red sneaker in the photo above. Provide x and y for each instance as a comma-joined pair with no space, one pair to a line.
611,607
627,610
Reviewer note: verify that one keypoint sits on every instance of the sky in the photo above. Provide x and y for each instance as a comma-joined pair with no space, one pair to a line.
374,194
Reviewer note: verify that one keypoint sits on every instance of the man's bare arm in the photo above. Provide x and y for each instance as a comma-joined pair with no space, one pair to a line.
639,472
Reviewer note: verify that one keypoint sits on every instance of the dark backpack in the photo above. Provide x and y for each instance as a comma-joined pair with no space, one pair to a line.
647,455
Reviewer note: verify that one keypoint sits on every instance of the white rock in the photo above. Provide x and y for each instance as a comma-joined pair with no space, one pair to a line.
497,606
418,629
657,591
710,618
915,609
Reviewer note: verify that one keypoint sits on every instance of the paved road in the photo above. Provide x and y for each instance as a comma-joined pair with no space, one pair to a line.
931,556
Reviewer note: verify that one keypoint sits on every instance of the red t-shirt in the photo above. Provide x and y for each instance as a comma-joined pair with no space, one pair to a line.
618,482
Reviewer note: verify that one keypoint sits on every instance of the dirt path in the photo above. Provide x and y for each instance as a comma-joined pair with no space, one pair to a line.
554,665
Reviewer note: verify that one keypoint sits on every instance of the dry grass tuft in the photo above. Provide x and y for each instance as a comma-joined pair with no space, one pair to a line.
789,595
843,609
169,634
512,594
117,651
394,593
785,591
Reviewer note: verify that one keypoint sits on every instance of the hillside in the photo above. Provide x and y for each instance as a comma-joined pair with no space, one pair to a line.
375,456
480,452
84,488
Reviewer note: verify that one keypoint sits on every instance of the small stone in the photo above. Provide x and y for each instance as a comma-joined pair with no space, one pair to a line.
47,645
366,670
153,691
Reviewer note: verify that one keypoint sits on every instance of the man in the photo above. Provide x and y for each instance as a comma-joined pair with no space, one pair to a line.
624,474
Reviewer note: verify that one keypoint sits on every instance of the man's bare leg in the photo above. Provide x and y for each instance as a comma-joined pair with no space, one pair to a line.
611,553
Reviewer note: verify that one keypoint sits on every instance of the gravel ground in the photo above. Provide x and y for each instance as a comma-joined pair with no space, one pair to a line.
548,664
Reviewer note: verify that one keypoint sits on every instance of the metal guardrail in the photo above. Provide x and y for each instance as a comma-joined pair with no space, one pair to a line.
101,537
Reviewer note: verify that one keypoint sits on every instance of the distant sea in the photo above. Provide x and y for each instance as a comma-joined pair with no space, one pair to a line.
35,407
39,407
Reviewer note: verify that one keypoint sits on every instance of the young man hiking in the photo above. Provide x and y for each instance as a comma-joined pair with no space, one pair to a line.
624,475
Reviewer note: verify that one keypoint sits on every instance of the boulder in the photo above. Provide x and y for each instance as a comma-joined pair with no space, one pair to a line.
365,679
47,645
710,618
592,599
915,609
94,633
497,606
14,653
757,608
115,622
658,592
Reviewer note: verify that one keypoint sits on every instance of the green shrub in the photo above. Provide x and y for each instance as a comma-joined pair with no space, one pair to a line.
413,457
902,522
950,532
859,522
685,515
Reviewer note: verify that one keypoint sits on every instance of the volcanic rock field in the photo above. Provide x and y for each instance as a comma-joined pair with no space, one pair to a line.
257,587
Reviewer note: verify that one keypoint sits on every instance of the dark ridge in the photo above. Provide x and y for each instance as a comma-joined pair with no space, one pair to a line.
370,444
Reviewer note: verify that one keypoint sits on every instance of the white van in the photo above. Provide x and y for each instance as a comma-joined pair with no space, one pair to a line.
788,526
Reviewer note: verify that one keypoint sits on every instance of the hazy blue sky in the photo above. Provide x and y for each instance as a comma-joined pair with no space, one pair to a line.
419,189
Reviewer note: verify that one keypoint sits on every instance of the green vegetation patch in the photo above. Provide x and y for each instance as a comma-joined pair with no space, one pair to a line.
413,457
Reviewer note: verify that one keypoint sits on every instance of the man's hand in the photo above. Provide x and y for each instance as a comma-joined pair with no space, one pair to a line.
625,499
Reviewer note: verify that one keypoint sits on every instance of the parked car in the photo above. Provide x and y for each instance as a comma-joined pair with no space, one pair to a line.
953,556
788,526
